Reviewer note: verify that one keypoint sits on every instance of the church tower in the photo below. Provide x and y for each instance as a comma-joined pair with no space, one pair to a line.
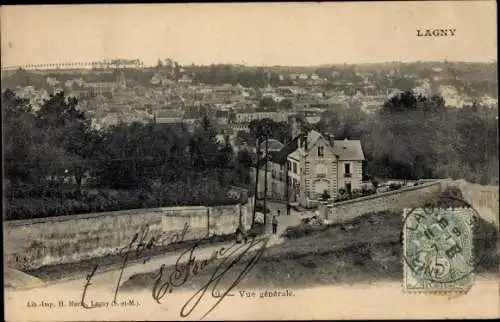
121,80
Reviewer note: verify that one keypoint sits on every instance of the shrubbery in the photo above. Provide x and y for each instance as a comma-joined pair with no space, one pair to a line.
53,153
355,193
39,202
301,230
395,186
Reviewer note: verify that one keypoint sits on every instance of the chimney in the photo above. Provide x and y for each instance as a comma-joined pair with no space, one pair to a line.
331,138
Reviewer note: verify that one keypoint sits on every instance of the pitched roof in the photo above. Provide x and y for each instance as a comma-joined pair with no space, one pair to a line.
169,113
294,155
219,113
348,150
273,145
313,136
281,155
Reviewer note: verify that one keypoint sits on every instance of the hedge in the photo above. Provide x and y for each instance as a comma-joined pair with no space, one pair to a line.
39,202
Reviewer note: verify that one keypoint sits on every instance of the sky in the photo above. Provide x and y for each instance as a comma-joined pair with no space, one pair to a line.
291,34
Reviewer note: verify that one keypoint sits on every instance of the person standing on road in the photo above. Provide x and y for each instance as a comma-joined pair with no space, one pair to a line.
279,212
275,225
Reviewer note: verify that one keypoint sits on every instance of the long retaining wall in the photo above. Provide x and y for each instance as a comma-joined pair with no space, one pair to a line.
33,243
392,200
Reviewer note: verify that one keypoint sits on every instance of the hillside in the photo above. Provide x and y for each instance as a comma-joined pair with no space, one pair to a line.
367,249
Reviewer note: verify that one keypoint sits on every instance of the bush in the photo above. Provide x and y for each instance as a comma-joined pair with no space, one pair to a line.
341,197
395,186
356,193
366,191
303,229
24,202
325,195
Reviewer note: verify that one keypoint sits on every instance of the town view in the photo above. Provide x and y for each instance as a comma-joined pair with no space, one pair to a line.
219,160
116,135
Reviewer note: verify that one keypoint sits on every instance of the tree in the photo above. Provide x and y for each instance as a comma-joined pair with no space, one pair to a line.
243,137
66,127
266,128
242,165
20,138
122,158
267,102
285,104
204,147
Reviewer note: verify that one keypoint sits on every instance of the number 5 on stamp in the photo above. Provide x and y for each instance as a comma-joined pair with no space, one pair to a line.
438,250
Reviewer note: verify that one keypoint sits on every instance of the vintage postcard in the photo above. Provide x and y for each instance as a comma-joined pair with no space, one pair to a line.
252,161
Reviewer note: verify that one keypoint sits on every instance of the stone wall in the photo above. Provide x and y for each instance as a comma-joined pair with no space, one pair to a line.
392,200
30,244
484,199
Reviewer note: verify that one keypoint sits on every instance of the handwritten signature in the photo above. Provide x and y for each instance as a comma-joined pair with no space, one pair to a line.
140,243
187,265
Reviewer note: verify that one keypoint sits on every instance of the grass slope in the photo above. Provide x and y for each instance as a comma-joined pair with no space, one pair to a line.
367,249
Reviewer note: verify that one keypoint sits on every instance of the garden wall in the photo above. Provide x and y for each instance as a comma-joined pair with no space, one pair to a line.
32,243
393,200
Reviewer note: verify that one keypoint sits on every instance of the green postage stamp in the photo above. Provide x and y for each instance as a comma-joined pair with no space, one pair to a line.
438,250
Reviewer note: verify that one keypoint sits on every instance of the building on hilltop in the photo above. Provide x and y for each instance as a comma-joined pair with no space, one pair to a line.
168,116
98,88
185,79
311,166
246,116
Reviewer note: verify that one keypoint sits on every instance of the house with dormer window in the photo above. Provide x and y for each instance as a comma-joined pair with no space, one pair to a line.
324,166
311,166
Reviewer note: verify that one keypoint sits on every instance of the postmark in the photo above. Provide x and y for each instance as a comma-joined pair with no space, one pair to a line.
438,250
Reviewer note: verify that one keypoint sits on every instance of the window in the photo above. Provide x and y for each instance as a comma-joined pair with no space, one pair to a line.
347,168
288,165
294,165
320,151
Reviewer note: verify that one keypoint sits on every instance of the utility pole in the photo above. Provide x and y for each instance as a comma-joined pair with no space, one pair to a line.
265,185
287,188
256,183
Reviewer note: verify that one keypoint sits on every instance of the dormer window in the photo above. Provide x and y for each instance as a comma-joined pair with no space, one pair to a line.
321,151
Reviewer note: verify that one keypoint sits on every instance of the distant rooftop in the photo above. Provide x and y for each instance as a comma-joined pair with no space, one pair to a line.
273,145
